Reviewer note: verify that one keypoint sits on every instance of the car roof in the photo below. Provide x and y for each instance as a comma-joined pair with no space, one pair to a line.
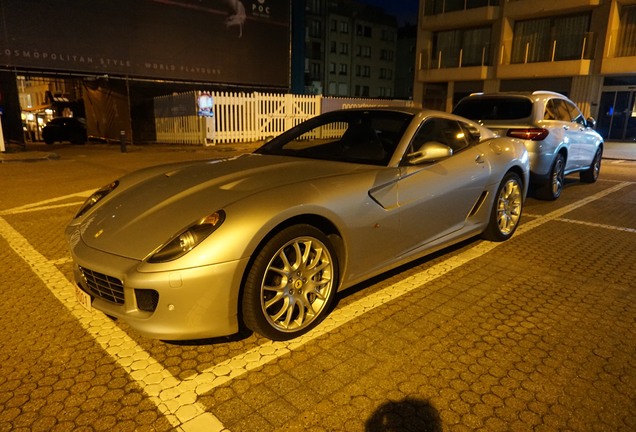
414,111
407,110
528,94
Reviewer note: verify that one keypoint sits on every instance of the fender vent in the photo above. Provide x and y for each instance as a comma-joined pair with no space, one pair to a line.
478,204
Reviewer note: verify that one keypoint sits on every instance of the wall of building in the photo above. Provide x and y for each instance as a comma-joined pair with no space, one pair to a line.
580,64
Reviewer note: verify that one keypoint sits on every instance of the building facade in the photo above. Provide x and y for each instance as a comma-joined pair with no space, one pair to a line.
585,49
350,49
105,61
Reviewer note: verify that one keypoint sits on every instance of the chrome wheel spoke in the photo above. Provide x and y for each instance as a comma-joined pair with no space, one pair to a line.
287,265
307,306
277,297
284,309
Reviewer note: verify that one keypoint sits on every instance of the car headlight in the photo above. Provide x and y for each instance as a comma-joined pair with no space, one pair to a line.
189,238
97,197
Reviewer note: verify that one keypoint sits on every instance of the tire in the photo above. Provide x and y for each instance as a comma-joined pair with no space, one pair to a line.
506,209
291,283
552,189
590,175
77,138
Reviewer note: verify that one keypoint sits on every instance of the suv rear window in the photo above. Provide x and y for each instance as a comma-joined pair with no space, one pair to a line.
500,108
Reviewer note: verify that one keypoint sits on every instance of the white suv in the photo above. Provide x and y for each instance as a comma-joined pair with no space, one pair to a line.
559,139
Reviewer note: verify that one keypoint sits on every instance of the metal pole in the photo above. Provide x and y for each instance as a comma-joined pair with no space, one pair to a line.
122,141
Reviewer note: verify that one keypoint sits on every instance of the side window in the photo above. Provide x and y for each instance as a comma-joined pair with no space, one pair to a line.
550,111
443,131
575,113
562,112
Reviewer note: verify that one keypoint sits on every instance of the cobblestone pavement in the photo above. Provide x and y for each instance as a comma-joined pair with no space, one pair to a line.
534,334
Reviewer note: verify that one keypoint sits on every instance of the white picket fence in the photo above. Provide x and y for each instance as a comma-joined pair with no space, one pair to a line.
239,117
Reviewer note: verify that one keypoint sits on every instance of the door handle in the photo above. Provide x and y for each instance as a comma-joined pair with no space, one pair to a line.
566,127
480,159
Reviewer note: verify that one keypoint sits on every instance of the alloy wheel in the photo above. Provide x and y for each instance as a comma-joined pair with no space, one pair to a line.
509,204
558,176
297,284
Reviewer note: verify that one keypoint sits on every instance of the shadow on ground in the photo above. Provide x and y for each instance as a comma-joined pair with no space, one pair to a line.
406,415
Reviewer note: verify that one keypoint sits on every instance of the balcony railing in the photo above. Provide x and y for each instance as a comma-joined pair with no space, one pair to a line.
434,7
567,47
457,57
622,43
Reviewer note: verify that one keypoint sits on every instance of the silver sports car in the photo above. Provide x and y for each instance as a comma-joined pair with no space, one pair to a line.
265,240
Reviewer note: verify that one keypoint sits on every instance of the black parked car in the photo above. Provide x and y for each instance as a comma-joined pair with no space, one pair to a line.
65,129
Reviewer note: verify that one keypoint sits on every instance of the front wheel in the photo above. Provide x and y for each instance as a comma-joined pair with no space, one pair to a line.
291,283
590,175
506,211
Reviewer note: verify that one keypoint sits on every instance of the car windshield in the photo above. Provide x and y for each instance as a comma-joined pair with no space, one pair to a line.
359,136
494,108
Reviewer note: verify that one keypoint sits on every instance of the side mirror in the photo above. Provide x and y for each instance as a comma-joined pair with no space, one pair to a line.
591,122
430,151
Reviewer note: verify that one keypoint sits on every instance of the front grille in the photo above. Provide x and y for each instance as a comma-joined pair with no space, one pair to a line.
104,286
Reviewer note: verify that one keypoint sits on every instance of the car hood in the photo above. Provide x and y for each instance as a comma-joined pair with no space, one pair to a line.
160,203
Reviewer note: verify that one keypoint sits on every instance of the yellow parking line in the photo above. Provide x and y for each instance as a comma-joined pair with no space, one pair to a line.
178,405
39,205
597,225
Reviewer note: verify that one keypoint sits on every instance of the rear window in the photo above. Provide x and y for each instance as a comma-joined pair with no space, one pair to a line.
494,108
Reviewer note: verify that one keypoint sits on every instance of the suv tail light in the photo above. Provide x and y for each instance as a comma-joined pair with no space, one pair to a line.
533,134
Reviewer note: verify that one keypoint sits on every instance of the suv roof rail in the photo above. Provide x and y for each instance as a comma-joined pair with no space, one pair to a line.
547,92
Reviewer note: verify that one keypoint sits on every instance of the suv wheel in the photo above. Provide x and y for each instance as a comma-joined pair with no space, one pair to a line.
590,175
552,189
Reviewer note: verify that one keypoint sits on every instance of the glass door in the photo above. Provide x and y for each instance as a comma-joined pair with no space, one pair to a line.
617,115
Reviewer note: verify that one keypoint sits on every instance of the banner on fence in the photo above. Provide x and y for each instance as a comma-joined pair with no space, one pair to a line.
332,104
176,105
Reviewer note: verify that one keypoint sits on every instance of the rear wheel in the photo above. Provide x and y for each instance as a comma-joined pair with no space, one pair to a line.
77,137
48,139
552,189
291,283
590,175
506,211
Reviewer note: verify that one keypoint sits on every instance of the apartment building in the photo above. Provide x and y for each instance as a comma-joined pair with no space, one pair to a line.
350,49
585,49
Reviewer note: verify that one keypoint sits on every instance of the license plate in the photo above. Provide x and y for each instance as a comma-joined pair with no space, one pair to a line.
83,298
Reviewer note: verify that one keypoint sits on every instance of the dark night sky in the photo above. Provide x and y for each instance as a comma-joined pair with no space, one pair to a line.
404,10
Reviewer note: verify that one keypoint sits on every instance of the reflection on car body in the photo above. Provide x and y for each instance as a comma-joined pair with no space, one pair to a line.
265,240
559,139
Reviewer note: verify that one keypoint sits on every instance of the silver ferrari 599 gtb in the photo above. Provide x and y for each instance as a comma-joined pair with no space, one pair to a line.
266,240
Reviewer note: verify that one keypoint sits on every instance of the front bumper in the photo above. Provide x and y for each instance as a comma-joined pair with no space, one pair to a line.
193,303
